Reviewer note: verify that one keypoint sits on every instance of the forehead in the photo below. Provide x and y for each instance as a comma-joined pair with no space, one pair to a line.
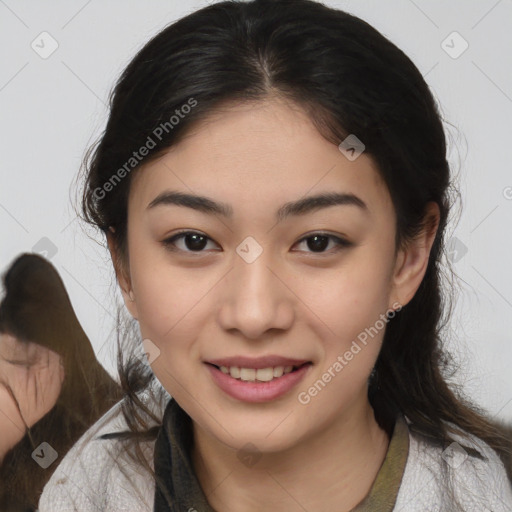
10,346
258,153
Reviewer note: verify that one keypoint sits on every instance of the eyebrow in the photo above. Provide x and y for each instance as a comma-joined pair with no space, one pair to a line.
300,207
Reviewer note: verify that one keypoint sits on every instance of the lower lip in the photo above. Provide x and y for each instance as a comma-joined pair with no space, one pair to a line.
257,391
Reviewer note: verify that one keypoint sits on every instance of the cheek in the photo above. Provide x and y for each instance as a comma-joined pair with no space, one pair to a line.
172,307
351,297
165,302
163,293
168,309
352,306
348,305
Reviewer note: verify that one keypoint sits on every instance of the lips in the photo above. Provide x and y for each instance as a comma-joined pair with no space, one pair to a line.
257,384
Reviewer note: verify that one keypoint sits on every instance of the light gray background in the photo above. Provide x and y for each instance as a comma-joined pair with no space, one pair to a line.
53,108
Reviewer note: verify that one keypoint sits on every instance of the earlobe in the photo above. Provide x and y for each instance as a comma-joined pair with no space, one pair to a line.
122,277
412,260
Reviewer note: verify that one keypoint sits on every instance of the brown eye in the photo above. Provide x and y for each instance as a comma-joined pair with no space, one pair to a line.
187,241
195,242
318,242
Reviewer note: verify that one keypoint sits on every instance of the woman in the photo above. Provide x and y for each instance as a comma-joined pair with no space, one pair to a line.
273,187
52,389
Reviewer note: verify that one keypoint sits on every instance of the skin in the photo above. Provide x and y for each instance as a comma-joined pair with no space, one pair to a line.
31,378
291,301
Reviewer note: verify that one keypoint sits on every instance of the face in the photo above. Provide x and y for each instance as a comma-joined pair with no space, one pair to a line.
34,374
263,273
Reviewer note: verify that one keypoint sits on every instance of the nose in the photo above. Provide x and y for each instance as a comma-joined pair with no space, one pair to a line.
255,299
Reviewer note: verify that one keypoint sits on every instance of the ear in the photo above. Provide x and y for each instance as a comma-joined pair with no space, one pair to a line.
412,260
122,274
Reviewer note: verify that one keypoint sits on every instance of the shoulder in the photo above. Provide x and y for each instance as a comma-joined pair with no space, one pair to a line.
467,473
97,475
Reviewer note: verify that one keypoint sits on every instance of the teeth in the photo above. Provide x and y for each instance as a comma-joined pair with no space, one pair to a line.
265,374
278,371
248,374
252,374
234,372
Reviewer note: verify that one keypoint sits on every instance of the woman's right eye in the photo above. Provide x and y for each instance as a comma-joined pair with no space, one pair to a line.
187,241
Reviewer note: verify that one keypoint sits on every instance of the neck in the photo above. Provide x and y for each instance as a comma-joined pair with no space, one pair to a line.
342,460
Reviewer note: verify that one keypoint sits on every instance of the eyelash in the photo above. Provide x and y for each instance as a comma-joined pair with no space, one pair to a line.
169,243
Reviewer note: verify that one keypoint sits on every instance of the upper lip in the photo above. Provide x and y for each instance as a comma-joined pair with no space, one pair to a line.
258,362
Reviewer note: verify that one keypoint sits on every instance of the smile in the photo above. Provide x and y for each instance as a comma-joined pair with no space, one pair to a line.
257,374
257,384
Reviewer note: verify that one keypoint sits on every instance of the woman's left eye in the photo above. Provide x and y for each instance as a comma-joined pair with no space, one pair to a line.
192,241
318,242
